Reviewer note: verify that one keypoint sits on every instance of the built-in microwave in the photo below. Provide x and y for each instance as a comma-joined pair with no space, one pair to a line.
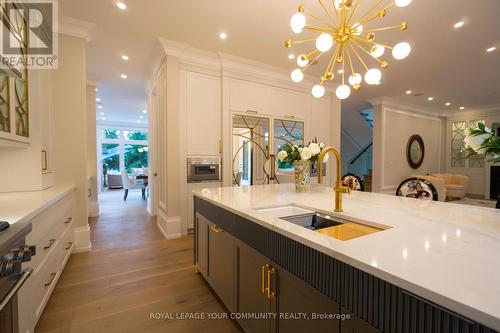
203,169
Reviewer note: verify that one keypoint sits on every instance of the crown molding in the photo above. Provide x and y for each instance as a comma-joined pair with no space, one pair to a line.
173,48
77,28
484,110
396,104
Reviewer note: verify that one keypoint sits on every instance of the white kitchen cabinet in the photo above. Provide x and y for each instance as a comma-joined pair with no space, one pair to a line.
289,103
14,125
203,113
248,96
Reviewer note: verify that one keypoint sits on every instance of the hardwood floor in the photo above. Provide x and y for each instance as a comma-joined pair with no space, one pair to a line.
131,273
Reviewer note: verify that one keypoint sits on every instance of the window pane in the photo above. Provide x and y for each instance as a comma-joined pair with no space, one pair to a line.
110,134
135,135
111,157
476,161
457,144
136,158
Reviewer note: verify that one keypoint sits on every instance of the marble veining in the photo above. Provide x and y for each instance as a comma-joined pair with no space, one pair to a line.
448,254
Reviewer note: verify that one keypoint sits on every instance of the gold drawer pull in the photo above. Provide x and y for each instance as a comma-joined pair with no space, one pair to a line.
216,228
52,241
52,277
270,294
263,278
68,221
70,244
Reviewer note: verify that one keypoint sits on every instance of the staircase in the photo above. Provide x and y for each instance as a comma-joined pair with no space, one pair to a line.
367,180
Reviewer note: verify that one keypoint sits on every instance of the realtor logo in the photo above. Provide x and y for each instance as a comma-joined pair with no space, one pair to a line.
29,37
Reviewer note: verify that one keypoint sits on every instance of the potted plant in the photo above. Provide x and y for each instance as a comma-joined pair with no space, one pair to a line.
482,140
301,158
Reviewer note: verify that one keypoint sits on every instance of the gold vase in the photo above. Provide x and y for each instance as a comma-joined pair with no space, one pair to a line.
302,175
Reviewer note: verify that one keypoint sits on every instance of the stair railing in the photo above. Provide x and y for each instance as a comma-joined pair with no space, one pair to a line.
361,163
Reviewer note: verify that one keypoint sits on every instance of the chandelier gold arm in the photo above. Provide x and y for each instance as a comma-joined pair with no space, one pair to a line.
293,42
331,65
364,40
353,12
367,52
374,16
312,62
369,11
319,19
327,12
343,64
332,59
357,56
350,61
387,28
317,28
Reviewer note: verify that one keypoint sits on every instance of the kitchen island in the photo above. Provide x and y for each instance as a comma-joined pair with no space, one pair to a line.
429,267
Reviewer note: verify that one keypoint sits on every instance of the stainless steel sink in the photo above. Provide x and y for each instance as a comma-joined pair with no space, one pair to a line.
313,221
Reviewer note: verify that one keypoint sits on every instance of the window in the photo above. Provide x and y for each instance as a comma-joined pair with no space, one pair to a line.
135,135
111,157
457,144
136,158
476,161
110,134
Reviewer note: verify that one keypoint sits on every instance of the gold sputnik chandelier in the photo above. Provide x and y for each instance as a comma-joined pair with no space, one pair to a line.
343,34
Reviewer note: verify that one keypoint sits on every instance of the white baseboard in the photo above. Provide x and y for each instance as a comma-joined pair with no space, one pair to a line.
82,239
170,227
93,207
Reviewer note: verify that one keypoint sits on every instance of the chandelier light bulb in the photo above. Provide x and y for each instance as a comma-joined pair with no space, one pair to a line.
373,76
401,50
318,91
357,29
338,4
302,60
298,22
343,91
297,75
355,79
402,3
377,51
324,42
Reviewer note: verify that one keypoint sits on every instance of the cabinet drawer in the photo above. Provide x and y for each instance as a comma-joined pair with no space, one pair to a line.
65,246
44,282
53,218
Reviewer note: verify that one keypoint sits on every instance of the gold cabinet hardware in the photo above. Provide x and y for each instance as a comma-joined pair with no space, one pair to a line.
216,228
70,244
289,116
270,294
51,242
51,279
220,146
89,193
68,221
252,111
45,165
263,278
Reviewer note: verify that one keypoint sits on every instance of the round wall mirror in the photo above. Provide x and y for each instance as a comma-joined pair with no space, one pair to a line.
415,151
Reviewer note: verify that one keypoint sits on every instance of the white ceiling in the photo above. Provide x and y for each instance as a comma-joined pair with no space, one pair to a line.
447,64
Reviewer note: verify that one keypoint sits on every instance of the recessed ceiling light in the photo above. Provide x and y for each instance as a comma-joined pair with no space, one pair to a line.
97,99
430,98
340,71
125,57
100,107
121,5
223,35
491,49
448,104
144,111
101,113
123,76
291,56
141,117
138,121
462,108
459,24
96,90
408,92
103,118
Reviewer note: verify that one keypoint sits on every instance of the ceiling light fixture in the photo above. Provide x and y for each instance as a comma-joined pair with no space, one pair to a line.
125,57
101,113
459,24
344,38
223,36
144,111
408,92
123,76
121,5
430,98
291,56
491,49
97,99
141,117
96,90
139,121
103,118
100,107
462,108
448,104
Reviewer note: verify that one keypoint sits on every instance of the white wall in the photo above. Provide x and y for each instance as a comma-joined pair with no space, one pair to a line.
393,126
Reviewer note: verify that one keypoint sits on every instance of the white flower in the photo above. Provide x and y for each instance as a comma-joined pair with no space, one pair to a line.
282,155
305,153
475,141
314,147
300,149
468,131
321,145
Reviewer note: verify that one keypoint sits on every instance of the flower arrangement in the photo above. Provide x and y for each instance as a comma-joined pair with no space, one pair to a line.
290,153
482,140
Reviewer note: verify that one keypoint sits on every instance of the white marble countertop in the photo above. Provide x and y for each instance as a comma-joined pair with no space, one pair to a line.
445,253
18,208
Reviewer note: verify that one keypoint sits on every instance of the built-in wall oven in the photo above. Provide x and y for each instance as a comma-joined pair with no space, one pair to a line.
203,169
13,252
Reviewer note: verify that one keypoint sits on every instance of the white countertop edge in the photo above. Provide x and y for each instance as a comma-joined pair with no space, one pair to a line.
429,295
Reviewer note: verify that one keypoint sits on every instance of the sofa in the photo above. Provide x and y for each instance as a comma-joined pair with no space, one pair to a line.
438,184
456,185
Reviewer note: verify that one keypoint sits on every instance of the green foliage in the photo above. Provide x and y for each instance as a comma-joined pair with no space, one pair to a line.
134,135
111,134
491,145
135,158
